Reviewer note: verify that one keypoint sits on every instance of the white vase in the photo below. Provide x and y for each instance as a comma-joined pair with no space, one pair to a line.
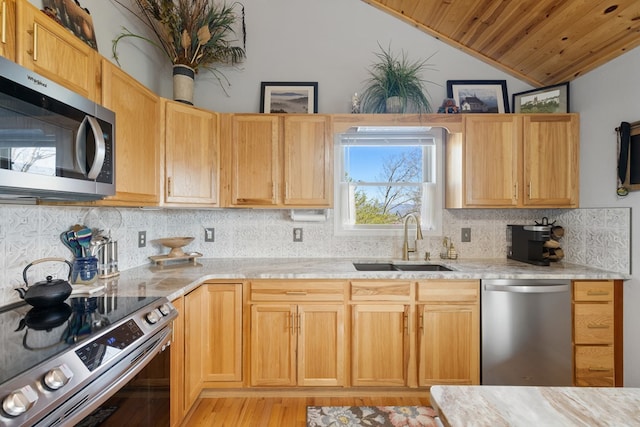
183,78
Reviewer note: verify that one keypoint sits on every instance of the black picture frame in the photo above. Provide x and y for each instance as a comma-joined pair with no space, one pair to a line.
289,97
479,96
548,99
74,17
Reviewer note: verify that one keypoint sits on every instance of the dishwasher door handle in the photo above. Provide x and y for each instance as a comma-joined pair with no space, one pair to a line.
528,289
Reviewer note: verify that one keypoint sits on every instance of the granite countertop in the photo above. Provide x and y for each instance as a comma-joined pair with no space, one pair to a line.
495,406
177,278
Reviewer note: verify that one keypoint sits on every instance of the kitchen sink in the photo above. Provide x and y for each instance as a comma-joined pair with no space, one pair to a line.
387,266
421,267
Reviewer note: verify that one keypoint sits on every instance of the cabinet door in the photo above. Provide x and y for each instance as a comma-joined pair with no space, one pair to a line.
307,161
177,365
8,29
273,345
491,153
449,337
320,345
48,48
551,160
380,344
194,330
221,344
137,138
255,165
191,153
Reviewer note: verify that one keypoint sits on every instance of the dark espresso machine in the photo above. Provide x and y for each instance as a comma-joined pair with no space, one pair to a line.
526,243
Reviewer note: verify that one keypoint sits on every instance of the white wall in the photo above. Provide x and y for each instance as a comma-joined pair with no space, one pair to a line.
604,98
329,41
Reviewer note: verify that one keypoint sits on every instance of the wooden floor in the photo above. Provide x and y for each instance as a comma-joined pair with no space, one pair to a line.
278,412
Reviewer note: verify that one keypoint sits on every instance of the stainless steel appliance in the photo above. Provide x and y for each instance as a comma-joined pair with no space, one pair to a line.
54,143
526,243
526,332
64,363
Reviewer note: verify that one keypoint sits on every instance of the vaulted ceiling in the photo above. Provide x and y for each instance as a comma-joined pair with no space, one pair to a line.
543,42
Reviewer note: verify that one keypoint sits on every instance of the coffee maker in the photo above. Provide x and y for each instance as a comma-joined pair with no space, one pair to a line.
526,243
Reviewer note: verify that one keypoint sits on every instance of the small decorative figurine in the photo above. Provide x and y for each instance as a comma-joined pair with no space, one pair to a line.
448,107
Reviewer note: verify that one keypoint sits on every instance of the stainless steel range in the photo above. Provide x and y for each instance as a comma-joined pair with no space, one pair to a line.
60,364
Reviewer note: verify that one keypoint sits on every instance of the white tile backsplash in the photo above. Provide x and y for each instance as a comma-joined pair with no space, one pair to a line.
598,237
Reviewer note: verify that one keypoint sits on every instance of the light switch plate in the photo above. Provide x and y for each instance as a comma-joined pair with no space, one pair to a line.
297,234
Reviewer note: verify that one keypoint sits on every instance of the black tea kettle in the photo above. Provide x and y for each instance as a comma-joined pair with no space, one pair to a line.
48,292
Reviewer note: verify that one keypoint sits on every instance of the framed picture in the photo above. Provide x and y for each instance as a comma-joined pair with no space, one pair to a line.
479,96
75,18
550,99
289,97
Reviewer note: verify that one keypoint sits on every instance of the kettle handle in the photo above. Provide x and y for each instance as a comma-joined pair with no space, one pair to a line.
38,261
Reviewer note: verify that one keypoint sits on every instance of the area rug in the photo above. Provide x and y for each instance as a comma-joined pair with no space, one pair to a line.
370,416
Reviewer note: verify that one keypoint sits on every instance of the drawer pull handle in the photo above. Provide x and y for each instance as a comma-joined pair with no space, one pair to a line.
597,326
592,369
597,293
296,292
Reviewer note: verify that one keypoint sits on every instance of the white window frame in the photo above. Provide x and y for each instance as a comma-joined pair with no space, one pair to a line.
430,219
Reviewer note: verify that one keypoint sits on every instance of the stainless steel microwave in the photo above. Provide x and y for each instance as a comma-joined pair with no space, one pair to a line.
54,143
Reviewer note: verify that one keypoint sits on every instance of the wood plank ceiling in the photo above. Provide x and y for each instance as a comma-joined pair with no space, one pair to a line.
543,42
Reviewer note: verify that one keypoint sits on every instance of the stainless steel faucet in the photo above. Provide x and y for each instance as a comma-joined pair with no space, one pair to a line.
405,247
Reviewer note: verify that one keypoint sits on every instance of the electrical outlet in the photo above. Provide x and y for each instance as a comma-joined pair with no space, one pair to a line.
209,234
142,239
297,234
466,235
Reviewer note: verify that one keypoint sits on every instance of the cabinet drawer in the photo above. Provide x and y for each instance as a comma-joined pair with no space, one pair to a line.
593,291
448,291
594,366
593,323
370,290
297,291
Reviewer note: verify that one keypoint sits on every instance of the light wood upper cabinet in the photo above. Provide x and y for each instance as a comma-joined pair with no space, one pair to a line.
307,161
191,155
277,160
138,141
550,160
49,49
514,161
8,29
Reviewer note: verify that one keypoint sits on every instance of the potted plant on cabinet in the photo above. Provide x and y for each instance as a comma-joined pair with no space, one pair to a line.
193,34
396,85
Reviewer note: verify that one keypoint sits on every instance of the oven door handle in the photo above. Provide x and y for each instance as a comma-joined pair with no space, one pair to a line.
81,147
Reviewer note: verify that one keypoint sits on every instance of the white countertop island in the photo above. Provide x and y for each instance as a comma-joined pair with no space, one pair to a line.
513,406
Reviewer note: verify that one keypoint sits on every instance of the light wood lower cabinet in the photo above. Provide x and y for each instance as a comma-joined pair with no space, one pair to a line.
380,344
597,333
297,334
448,332
177,409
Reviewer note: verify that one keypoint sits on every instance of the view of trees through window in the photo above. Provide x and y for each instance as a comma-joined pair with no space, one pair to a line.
386,180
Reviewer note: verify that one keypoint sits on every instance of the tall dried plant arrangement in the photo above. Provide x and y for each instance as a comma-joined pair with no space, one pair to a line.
196,33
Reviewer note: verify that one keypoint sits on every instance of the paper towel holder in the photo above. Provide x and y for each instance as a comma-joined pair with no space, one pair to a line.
309,215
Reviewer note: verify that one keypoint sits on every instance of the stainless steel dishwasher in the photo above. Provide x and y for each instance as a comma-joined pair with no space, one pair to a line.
526,332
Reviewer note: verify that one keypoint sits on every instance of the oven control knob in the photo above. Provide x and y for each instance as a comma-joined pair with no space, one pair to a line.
19,401
153,317
57,377
165,309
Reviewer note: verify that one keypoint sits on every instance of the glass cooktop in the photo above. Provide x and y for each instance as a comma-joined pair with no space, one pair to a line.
31,335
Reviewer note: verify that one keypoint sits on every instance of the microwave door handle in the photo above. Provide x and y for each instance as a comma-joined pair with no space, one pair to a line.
81,145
